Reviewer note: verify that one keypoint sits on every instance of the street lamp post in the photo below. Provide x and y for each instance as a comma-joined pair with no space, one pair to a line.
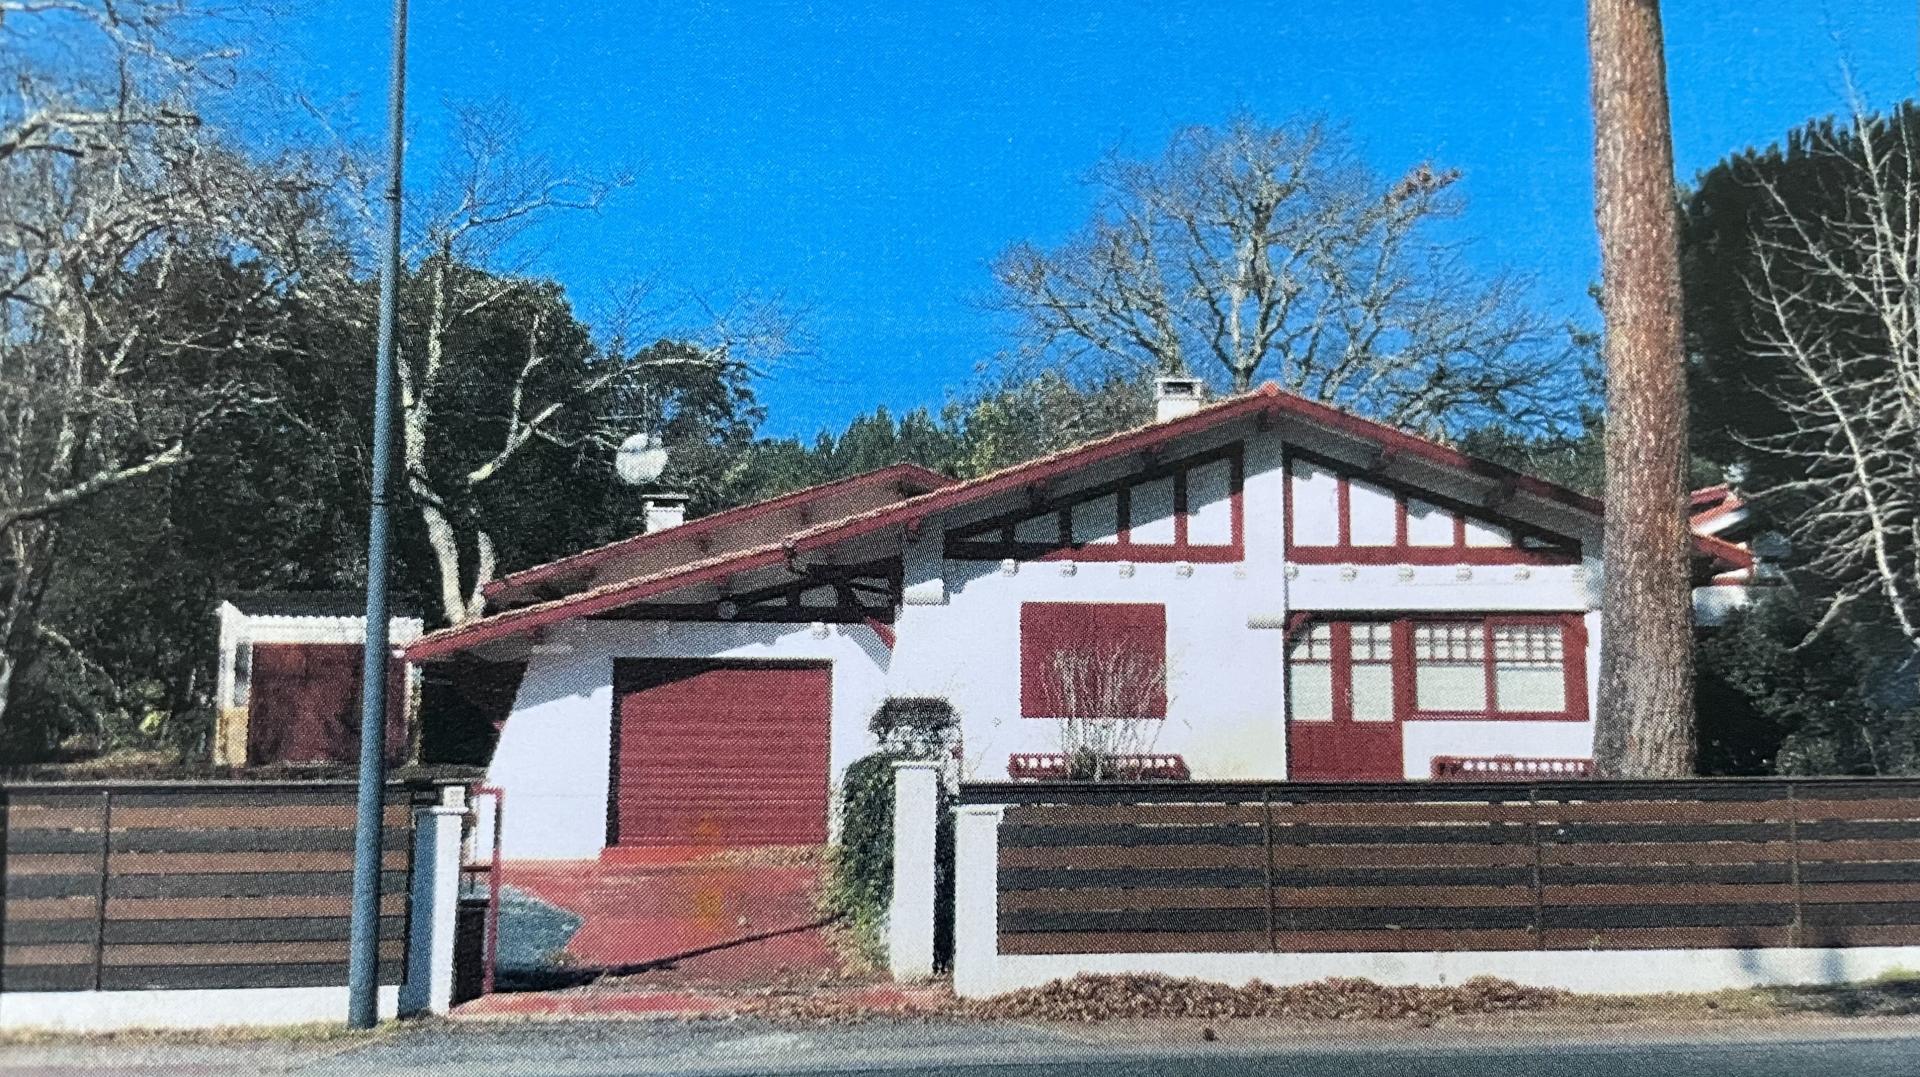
363,967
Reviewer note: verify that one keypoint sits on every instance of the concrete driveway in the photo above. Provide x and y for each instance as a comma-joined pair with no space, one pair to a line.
686,925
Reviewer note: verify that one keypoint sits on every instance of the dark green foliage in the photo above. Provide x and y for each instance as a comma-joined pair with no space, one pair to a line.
908,728
1843,703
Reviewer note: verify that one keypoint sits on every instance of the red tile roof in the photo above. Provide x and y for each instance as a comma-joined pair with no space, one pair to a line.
911,478
1268,400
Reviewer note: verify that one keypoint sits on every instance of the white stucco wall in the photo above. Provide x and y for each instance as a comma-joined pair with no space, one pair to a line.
555,751
958,633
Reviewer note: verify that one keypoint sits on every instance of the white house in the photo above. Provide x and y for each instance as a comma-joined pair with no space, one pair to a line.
1294,592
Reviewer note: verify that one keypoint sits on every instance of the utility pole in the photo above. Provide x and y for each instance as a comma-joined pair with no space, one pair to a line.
363,967
1644,728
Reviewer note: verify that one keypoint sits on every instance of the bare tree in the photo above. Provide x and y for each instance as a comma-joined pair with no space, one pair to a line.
111,188
464,266
1113,703
1645,724
1838,294
1252,251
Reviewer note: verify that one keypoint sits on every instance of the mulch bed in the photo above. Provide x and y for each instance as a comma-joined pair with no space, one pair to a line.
1105,998
1102,998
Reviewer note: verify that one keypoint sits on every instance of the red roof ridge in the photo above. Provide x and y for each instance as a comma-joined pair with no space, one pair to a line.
706,525
912,509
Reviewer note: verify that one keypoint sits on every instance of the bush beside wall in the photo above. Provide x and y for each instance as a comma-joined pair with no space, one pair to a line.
860,882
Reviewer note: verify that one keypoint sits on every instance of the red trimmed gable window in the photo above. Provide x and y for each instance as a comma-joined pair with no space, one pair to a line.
1093,660
1335,517
1187,509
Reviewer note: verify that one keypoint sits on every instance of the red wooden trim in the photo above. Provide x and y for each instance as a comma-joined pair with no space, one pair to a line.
625,593
969,544
1574,642
1342,660
1096,452
1427,555
1489,693
1403,697
906,475
1566,551
1180,508
1268,399
1237,497
883,630
1344,514
1388,438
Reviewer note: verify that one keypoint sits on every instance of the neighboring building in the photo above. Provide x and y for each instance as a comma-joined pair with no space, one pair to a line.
1276,589
289,680
1720,512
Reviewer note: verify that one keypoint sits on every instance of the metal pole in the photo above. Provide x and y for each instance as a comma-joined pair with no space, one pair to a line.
363,968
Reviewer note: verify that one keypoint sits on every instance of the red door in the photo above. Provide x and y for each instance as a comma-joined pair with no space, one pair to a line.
1344,703
713,754
303,704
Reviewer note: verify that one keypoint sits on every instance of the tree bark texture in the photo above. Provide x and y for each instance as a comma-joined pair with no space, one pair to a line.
1644,726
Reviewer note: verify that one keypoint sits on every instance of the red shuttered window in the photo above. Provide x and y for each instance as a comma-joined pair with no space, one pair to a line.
1093,660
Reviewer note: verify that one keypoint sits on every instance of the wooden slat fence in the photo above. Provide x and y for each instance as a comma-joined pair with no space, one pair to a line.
125,887
1215,867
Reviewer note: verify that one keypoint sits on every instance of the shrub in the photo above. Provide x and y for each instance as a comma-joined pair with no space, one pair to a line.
861,878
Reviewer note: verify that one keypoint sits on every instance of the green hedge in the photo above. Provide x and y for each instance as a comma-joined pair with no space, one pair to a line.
862,876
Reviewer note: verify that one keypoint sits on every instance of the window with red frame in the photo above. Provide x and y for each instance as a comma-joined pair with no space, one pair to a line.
1498,666
1093,660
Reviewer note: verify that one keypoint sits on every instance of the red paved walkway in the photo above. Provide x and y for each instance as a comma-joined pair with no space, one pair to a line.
692,922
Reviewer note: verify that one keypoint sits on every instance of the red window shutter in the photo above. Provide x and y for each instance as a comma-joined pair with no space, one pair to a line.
1135,632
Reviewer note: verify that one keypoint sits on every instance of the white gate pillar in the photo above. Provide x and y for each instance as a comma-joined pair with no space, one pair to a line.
435,901
910,914
976,900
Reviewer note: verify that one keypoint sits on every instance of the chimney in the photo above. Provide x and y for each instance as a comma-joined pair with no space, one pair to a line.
664,511
1177,397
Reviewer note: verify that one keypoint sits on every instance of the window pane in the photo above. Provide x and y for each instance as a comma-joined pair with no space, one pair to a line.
1372,510
1529,668
1210,504
1371,642
1313,645
1150,512
1428,524
1316,505
1530,689
1310,692
1097,520
1450,687
1373,693
1454,641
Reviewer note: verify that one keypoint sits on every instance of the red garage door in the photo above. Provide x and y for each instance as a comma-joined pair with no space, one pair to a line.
717,754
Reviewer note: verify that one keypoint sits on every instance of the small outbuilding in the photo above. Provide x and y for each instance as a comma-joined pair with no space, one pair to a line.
290,677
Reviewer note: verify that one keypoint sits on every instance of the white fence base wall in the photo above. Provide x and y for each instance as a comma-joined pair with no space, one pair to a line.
115,1011
1608,972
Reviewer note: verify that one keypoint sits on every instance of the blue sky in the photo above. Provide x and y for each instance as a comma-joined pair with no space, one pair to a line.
868,161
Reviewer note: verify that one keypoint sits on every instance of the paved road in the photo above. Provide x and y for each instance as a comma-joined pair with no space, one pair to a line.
1858,1049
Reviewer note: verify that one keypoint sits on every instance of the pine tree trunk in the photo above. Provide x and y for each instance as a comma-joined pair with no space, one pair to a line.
1644,727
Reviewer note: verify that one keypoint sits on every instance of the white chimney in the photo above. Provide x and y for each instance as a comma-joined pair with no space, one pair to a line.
1177,397
664,511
